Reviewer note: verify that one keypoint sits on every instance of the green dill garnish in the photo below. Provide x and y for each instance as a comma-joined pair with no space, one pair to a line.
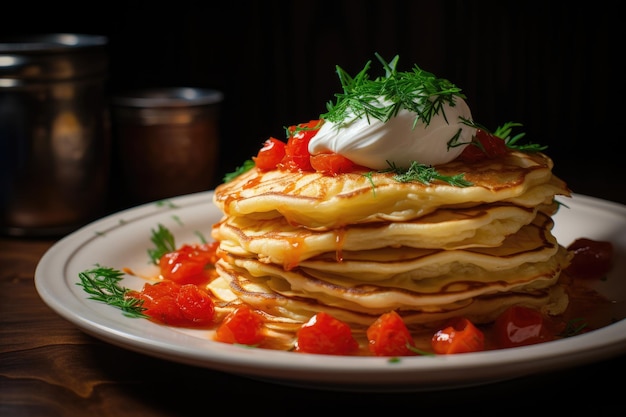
369,177
454,142
574,327
247,165
103,285
200,236
418,91
291,131
419,351
425,174
165,203
163,241
504,132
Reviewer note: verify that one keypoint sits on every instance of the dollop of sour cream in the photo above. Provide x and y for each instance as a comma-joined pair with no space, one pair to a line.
375,144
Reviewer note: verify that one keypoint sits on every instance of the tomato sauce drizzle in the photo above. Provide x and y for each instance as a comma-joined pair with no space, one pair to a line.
340,237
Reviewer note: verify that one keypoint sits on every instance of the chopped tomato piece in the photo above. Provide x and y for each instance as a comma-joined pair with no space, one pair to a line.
272,152
243,326
520,326
151,292
173,304
165,310
331,163
190,264
297,157
389,336
325,334
195,304
484,146
305,130
461,336
159,300
592,259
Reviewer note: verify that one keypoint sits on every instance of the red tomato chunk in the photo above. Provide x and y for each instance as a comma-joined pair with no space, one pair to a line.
243,326
297,157
190,264
461,336
592,258
272,152
331,163
485,146
389,336
325,334
520,326
173,304
195,304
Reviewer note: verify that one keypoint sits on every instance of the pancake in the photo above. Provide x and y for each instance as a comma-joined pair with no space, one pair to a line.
287,309
533,243
460,281
407,279
325,202
275,240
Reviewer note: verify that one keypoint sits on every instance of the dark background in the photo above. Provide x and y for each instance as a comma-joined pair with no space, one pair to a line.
552,66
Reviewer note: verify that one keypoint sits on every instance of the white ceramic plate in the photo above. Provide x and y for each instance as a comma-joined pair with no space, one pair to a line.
122,239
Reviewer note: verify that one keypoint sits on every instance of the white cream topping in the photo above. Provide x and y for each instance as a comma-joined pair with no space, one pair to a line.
371,143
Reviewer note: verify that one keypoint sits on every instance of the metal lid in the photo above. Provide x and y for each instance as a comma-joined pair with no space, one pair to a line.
51,57
167,97
51,42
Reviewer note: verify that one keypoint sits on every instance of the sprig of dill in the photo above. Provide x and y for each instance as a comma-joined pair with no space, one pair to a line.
103,285
425,174
291,131
419,351
418,91
504,132
164,242
247,165
574,327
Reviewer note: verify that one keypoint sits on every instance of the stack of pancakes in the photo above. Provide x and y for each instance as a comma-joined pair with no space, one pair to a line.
357,245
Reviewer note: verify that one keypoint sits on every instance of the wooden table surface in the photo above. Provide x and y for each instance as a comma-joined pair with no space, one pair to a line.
48,367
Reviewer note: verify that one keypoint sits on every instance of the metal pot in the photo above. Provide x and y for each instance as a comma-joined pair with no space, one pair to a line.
166,142
54,133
